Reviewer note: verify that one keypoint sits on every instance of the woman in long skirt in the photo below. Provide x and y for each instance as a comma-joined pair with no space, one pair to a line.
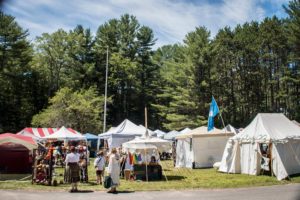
72,160
114,170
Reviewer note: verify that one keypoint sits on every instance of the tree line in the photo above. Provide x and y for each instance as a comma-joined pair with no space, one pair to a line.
59,78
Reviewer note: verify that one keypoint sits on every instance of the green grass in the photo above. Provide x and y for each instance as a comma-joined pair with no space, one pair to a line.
177,179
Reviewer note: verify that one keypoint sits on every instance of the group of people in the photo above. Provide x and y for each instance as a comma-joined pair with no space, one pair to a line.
113,160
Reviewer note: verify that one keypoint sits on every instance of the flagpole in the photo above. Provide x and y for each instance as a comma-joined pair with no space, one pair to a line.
105,98
105,95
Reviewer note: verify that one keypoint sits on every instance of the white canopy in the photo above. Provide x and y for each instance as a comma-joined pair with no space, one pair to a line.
160,144
138,147
64,134
202,131
124,132
267,127
242,153
171,135
159,133
186,130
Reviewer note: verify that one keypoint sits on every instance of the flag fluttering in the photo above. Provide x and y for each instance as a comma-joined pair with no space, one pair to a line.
213,111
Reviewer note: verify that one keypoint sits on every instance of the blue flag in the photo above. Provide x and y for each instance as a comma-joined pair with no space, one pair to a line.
213,111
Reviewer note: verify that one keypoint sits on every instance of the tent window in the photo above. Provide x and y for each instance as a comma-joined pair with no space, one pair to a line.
191,144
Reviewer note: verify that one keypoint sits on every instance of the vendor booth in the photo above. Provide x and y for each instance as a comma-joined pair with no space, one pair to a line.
125,132
16,153
144,152
52,155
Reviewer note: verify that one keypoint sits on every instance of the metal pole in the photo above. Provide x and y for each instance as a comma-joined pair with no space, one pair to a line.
105,97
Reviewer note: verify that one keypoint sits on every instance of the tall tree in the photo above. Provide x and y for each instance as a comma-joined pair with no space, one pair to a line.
16,103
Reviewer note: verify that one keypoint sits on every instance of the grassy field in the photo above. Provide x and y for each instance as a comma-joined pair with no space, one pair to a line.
177,179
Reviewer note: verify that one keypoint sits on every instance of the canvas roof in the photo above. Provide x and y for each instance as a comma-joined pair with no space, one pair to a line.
63,133
171,135
90,136
202,131
268,127
126,128
41,132
186,130
26,141
160,144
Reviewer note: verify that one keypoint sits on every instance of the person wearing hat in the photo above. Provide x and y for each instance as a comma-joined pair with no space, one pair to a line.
99,165
72,160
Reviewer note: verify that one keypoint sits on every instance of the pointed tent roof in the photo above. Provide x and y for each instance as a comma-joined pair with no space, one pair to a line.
186,130
159,133
126,128
171,135
26,141
268,127
63,133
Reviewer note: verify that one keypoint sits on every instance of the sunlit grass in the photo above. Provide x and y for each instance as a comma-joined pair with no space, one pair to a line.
175,179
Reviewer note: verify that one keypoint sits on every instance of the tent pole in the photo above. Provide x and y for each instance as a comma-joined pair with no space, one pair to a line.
146,165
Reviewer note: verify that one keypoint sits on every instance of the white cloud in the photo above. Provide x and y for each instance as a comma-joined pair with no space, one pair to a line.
170,20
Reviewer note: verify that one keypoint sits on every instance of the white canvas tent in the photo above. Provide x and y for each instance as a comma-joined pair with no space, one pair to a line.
171,135
124,132
159,133
200,148
243,152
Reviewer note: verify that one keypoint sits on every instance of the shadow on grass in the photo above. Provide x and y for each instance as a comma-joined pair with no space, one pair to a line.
174,178
21,177
294,175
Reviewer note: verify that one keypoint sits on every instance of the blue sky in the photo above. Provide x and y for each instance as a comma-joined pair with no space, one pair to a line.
170,20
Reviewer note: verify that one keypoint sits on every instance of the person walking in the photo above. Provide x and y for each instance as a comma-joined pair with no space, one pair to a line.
72,160
99,165
114,170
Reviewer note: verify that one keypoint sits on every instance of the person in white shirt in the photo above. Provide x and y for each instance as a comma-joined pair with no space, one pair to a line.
99,165
72,160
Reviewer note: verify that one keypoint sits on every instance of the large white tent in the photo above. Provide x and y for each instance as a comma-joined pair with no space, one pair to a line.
244,152
200,148
124,132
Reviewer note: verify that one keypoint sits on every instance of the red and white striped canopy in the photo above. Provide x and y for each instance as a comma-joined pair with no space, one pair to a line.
42,132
